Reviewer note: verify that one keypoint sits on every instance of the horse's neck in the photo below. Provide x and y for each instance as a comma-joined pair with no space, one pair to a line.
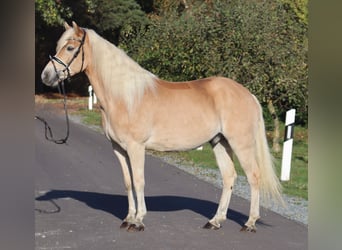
124,71
98,87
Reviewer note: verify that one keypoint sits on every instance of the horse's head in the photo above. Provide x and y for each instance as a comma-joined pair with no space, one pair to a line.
69,59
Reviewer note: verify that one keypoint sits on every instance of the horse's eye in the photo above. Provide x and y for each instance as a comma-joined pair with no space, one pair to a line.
70,48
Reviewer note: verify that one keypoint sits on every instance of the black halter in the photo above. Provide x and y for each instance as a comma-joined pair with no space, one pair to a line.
67,65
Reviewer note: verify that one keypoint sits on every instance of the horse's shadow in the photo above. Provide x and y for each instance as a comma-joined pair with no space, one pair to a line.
117,204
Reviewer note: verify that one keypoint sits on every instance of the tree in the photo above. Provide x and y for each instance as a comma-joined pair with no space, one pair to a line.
110,18
52,12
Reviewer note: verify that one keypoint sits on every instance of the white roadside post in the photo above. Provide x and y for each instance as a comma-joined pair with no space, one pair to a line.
90,99
94,97
287,147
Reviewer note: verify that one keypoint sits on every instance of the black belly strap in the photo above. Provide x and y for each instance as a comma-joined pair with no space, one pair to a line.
217,138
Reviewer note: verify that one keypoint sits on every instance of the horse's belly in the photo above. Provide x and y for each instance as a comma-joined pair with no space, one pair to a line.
172,145
180,139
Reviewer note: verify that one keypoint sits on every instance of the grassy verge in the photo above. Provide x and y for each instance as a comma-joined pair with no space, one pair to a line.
90,117
297,186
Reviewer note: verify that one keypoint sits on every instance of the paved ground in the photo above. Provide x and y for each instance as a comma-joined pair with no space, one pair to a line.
80,202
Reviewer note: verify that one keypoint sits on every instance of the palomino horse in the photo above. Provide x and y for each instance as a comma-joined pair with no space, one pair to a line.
141,111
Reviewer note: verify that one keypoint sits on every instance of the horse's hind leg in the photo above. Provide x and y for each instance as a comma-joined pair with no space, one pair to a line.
223,154
248,162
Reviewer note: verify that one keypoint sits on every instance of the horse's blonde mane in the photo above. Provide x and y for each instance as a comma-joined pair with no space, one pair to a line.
120,75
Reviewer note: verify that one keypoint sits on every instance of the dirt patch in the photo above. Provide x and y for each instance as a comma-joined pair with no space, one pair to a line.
74,102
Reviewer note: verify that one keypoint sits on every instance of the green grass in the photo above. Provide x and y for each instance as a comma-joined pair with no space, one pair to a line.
90,117
298,184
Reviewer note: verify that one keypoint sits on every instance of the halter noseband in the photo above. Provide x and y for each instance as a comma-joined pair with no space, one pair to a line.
66,66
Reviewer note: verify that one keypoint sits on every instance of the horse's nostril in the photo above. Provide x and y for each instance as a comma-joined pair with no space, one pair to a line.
44,76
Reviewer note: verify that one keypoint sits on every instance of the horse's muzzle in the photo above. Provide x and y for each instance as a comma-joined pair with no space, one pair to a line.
49,77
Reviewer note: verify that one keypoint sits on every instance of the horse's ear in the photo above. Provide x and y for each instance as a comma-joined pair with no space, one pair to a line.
77,29
66,26
74,25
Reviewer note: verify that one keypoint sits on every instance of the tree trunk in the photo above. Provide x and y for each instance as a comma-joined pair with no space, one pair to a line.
276,133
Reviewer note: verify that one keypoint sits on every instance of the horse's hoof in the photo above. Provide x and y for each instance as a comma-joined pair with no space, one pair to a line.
248,229
124,225
135,228
210,226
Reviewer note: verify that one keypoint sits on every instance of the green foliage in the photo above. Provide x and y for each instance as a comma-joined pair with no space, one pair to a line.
166,6
257,43
122,16
110,17
299,7
52,12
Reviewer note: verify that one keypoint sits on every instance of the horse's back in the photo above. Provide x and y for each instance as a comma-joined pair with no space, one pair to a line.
226,93
223,95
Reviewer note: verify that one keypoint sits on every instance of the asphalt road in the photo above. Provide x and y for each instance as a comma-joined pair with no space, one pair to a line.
81,201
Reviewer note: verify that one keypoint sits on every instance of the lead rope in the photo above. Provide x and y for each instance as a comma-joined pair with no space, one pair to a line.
48,130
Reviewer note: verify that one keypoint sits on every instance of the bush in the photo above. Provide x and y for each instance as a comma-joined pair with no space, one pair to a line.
257,43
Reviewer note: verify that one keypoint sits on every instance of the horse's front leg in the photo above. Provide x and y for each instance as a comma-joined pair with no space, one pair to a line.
136,153
124,162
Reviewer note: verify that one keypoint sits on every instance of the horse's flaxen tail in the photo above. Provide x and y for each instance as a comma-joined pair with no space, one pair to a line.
270,186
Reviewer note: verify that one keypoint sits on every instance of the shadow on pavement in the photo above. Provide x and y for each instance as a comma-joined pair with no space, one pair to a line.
117,204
